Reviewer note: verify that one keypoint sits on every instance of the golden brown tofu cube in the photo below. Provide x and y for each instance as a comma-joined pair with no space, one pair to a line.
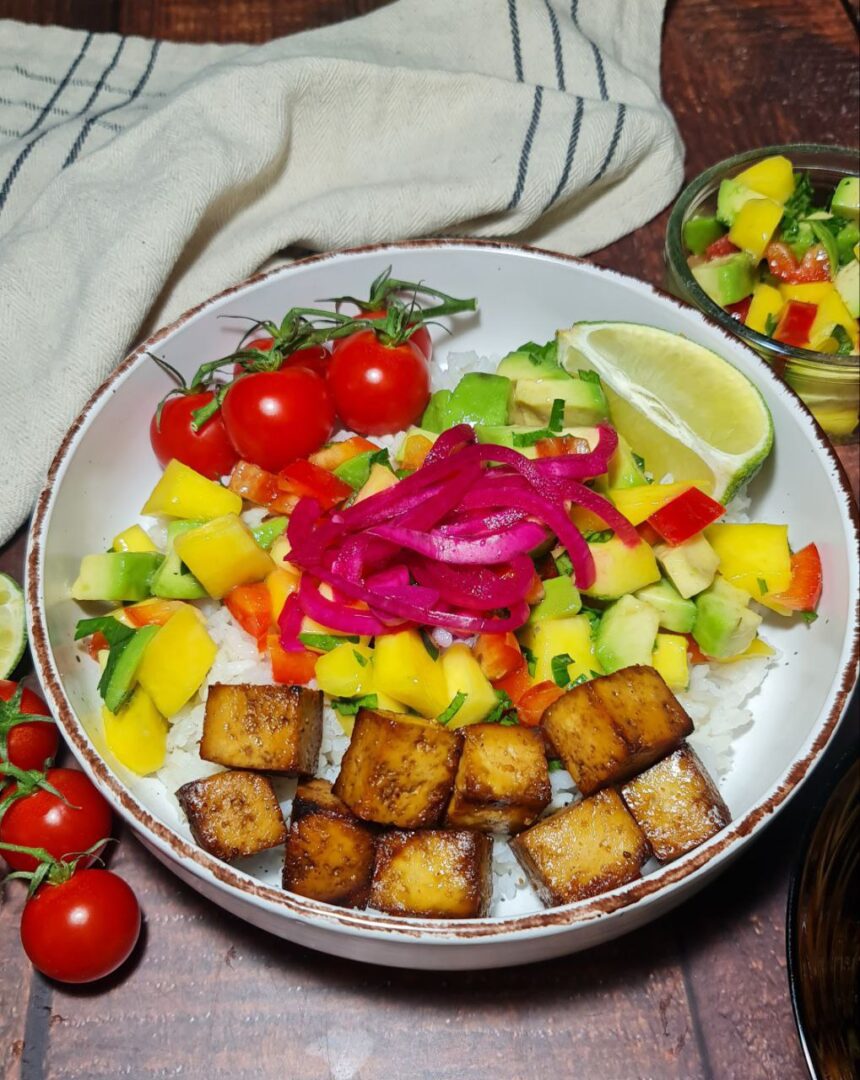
611,728
329,853
274,728
233,814
676,804
398,770
585,849
502,781
433,874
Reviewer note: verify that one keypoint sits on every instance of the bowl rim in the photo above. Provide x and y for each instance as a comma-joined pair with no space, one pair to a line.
696,295
451,932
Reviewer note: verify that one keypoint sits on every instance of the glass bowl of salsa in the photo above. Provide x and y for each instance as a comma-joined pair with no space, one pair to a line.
767,243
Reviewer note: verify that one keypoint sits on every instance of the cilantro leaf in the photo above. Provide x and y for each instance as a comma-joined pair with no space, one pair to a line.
770,324
457,703
797,206
588,376
362,661
559,665
350,706
503,708
809,616
554,764
601,537
762,585
530,659
845,346
556,417
327,642
564,565
429,645
540,355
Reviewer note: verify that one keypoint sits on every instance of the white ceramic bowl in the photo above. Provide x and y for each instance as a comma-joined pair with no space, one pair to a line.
105,468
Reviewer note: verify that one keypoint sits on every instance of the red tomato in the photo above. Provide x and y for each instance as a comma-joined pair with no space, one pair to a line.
29,744
207,451
421,337
82,929
783,265
62,828
720,247
274,417
314,357
378,389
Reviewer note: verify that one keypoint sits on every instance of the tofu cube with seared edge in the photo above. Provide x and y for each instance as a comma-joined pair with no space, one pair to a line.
398,770
329,853
233,813
611,728
273,728
587,848
502,781
433,874
676,804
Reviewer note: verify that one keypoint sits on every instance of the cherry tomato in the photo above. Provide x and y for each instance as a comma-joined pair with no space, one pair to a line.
207,451
315,357
378,389
815,265
31,743
421,337
62,828
274,417
82,929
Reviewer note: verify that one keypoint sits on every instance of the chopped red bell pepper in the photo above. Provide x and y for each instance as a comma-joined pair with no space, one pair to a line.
253,483
720,247
251,607
536,591
804,590
686,515
559,445
303,478
795,323
534,703
740,310
516,683
649,534
153,612
336,453
497,654
290,668
96,644
783,265
694,652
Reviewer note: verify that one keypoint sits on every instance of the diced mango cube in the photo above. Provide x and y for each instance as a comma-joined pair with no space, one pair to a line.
222,554
134,538
755,225
810,292
670,659
557,637
755,558
772,176
404,670
281,583
463,675
380,479
766,302
832,312
620,569
757,649
637,504
346,671
183,493
176,661
137,734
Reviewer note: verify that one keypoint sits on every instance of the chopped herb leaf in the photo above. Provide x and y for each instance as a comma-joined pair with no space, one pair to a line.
379,458
112,628
579,680
529,438
530,659
362,661
350,706
593,615
845,346
556,417
762,585
508,721
555,764
429,645
503,706
828,241
540,354
327,642
599,537
564,565
640,461
809,616
559,665
798,206
401,474
770,324
589,376
457,703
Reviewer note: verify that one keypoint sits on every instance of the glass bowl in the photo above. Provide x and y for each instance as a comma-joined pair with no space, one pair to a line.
827,383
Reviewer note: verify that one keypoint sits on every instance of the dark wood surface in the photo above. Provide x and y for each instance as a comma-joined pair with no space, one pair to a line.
701,993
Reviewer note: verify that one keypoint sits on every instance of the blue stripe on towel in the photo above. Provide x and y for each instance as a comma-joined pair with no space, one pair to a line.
97,89
515,39
571,151
598,57
556,46
616,135
527,148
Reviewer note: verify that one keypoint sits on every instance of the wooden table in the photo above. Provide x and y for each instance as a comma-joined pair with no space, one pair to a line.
702,992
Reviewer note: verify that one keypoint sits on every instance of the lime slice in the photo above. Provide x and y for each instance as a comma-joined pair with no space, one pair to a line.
13,628
683,408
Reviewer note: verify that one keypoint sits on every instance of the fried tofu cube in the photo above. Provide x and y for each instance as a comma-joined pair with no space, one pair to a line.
433,874
233,813
329,854
676,804
587,848
502,781
612,727
275,728
398,770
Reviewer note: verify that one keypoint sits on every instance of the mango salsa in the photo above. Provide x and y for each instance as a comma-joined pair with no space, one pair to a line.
755,225
463,675
404,670
557,637
772,176
183,493
176,661
134,538
137,734
670,659
765,305
755,558
346,671
222,554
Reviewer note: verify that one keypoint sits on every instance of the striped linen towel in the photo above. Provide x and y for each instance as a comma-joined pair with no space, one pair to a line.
138,177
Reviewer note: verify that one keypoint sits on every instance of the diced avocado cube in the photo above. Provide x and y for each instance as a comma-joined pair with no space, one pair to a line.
626,634
620,569
436,413
803,241
701,231
531,361
846,199
117,575
584,401
848,287
173,581
690,566
561,598
479,398
727,279
498,435
730,198
846,241
724,626
123,677
675,613
267,532
624,469
356,470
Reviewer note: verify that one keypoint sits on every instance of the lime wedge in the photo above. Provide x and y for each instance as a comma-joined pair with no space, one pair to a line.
13,628
684,409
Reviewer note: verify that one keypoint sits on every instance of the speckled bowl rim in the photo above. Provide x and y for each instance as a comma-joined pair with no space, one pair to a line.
452,932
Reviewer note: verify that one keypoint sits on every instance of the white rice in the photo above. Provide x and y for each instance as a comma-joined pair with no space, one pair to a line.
717,701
